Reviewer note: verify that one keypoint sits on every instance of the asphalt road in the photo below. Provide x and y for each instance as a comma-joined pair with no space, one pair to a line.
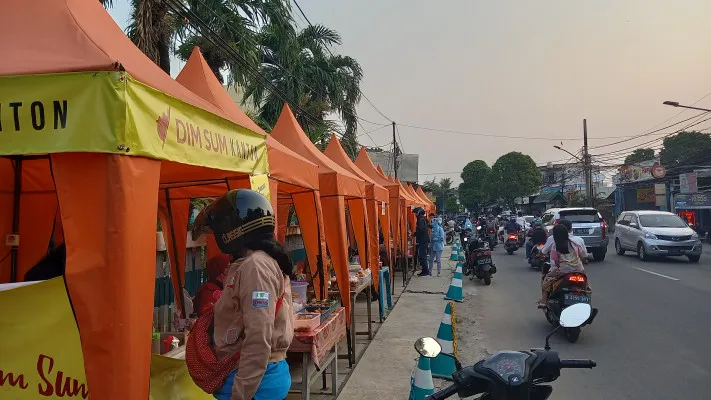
651,339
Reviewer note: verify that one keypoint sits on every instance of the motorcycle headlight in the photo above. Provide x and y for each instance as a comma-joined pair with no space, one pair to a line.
465,239
650,235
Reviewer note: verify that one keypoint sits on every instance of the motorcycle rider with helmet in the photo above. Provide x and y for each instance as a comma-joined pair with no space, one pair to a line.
238,349
537,236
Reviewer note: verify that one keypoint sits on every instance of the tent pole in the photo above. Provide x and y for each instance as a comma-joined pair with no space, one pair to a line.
16,217
319,256
180,295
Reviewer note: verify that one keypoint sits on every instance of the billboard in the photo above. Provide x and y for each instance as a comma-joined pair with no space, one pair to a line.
408,164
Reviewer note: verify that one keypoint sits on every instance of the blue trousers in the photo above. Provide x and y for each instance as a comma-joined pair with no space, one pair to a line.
436,258
274,385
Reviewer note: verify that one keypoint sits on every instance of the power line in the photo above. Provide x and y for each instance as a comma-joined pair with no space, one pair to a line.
646,134
501,136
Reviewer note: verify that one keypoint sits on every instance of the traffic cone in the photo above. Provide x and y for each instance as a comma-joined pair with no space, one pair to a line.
455,288
454,256
461,256
421,384
443,366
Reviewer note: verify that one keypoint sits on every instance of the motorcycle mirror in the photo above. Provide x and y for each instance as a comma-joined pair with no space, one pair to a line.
428,347
575,315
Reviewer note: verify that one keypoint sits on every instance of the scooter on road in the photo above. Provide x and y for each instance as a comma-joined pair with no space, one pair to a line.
510,375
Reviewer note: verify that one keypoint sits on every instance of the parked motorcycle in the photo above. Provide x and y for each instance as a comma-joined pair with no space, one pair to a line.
538,259
449,235
569,290
511,244
510,375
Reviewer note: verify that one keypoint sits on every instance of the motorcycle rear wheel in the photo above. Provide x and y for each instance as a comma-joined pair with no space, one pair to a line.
572,334
487,278
510,251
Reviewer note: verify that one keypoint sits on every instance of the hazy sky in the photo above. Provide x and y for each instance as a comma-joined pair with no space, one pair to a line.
518,68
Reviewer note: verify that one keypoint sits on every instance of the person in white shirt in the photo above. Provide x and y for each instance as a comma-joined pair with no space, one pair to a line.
578,240
521,220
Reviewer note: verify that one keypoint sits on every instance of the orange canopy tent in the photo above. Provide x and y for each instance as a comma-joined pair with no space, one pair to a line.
337,187
374,193
365,164
292,178
424,196
96,133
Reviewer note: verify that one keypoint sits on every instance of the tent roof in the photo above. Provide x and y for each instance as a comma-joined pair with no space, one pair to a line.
335,152
285,165
366,165
414,195
333,179
423,195
57,36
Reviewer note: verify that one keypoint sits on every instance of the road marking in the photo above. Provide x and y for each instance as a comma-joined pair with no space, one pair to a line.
655,273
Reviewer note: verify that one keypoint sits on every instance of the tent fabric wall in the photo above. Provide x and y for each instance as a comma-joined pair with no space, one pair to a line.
108,206
335,230
359,222
38,210
373,235
308,208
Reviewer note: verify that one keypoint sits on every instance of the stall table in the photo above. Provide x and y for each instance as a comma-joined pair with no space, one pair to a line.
354,292
320,346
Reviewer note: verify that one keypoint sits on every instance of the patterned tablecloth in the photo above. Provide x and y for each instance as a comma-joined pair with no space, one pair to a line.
321,340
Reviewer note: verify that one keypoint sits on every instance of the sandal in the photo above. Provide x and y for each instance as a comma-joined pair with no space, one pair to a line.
540,305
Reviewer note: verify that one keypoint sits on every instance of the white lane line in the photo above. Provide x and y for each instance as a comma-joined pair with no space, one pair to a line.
655,273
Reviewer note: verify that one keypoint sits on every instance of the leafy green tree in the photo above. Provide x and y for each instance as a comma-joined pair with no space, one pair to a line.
472,190
513,175
639,155
685,149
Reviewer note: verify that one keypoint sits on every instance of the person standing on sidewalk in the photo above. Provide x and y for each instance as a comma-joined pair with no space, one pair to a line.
437,240
423,241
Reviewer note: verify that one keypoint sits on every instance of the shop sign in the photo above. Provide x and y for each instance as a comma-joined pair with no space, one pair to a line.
646,195
687,183
693,201
643,171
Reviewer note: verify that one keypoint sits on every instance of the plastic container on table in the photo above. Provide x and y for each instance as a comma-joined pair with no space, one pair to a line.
324,311
298,291
305,322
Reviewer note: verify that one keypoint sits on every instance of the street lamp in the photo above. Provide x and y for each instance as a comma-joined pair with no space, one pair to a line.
562,149
676,104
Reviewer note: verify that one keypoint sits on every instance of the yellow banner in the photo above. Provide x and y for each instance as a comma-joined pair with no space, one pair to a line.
170,380
110,112
260,183
160,126
40,350
57,113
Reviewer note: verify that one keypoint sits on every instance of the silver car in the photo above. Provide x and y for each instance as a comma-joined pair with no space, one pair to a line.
656,233
587,224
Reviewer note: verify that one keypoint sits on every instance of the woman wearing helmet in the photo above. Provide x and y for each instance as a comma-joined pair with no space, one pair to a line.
252,318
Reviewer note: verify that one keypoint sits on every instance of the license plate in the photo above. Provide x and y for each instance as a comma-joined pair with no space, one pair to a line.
571,298
581,231
675,251
483,261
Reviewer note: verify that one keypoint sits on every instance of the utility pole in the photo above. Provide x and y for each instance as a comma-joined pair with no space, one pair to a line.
586,165
396,151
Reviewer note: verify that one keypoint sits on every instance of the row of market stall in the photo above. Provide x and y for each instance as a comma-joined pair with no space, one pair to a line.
98,143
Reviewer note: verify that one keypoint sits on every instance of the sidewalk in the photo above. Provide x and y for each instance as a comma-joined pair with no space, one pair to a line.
384,370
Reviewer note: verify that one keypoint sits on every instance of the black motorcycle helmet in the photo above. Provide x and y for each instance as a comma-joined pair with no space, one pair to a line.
418,211
236,218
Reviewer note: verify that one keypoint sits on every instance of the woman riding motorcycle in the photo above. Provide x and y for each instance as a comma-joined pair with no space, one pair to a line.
566,257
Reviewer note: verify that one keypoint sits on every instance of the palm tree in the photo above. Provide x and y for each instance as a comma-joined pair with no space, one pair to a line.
441,190
236,22
301,67
152,29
